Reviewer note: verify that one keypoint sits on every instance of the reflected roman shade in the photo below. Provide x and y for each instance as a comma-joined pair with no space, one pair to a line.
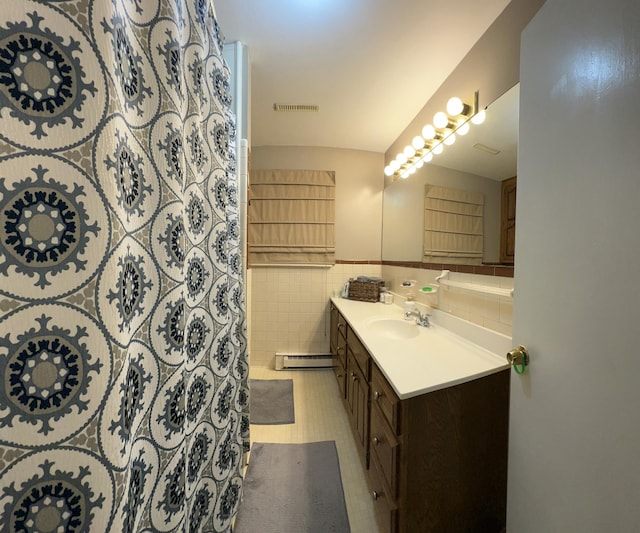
453,225
291,217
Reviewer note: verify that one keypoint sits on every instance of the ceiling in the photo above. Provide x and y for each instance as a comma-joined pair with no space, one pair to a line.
370,65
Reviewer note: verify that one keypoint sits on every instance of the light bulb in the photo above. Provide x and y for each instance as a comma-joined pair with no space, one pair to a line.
450,139
412,170
420,163
418,142
455,106
438,149
388,171
440,120
464,129
479,117
404,175
428,132
394,165
409,151
401,158
428,157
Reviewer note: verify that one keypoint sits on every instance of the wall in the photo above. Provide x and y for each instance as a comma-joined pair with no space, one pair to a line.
491,67
289,306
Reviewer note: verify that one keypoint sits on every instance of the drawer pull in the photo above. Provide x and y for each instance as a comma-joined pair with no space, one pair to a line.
377,395
376,494
376,440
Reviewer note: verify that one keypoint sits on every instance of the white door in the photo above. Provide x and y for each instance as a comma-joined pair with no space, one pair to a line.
574,459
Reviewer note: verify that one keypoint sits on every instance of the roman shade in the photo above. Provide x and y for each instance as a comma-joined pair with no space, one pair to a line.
291,217
453,225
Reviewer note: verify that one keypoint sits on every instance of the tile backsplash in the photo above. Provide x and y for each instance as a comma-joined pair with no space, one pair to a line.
490,311
289,310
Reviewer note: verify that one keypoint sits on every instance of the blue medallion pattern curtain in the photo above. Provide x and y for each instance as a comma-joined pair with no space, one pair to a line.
123,358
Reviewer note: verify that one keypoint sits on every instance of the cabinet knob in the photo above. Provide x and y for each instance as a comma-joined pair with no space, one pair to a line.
376,440
340,349
376,395
375,494
354,377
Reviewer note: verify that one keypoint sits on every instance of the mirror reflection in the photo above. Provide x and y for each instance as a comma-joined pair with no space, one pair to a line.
479,161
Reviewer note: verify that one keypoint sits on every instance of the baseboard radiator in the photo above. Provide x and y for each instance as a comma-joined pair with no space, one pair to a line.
289,361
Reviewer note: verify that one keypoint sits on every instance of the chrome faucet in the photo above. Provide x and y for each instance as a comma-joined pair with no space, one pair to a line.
421,320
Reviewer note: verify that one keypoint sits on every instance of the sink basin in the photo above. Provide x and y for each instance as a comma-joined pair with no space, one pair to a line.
394,328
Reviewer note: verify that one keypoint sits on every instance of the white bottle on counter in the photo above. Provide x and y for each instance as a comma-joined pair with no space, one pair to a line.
409,307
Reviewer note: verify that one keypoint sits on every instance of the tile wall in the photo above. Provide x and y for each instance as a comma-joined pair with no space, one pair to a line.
489,311
289,306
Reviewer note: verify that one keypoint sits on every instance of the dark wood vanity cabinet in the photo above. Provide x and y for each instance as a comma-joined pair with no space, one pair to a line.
436,462
352,371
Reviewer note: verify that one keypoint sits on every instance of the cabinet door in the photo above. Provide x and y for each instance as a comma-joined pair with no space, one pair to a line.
341,375
361,412
350,386
357,400
333,329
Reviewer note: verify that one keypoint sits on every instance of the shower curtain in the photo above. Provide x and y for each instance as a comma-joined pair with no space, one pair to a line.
123,358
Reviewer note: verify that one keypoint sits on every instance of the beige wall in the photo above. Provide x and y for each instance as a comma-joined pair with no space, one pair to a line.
359,186
491,67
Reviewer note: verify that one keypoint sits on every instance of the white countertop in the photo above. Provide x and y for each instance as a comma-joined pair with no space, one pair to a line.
433,359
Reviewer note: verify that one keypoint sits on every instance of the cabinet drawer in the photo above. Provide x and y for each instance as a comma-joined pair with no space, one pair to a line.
384,505
385,398
385,446
359,353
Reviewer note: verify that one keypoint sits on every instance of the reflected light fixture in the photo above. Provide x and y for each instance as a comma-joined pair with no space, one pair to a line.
479,117
434,136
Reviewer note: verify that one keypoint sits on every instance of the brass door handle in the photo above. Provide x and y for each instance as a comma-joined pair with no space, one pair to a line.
518,358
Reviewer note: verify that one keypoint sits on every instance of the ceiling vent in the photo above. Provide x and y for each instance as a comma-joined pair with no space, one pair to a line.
487,149
295,107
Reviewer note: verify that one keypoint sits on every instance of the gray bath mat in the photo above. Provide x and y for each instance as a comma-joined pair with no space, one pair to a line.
271,401
293,487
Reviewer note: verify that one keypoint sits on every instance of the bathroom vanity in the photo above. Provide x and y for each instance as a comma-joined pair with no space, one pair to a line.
429,411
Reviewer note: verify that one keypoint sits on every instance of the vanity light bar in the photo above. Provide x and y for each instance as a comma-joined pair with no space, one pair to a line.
434,137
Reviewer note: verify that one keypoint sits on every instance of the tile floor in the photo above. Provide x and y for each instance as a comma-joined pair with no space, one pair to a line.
320,416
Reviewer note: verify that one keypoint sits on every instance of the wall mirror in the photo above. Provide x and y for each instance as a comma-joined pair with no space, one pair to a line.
478,161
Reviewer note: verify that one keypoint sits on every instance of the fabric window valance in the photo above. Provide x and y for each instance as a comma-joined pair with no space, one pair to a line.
291,217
